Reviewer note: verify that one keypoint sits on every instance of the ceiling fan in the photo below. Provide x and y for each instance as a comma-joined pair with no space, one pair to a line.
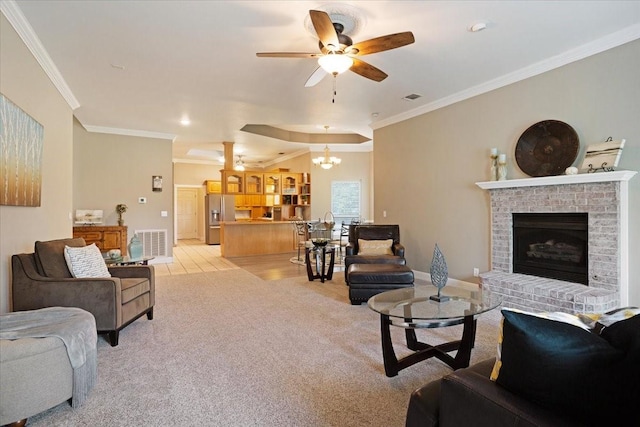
338,52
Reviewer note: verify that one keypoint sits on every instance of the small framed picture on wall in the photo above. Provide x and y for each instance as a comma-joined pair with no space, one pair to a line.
156,183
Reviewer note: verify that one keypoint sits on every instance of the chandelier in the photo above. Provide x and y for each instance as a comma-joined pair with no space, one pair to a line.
326,162
239,166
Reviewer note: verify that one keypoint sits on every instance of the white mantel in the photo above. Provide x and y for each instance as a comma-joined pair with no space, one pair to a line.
568,193
623,176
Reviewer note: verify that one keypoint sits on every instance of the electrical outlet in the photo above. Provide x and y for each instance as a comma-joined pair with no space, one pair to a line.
384,214
476,271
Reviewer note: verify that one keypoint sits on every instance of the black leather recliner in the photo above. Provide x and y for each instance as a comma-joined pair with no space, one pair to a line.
373,232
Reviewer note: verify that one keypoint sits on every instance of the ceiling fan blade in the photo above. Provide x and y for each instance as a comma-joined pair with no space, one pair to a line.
288,55
367,70
315,77
324,28
380,44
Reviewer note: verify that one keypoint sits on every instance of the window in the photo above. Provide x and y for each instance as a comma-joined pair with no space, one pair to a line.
345,200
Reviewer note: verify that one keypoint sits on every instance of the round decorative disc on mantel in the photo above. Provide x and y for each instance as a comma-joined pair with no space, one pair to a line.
547,148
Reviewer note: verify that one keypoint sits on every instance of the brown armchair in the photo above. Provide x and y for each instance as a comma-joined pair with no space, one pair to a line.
373,232
42,279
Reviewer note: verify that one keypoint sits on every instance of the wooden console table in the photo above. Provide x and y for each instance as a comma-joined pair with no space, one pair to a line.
105,237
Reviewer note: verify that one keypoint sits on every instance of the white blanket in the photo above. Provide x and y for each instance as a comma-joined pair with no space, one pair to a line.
74,326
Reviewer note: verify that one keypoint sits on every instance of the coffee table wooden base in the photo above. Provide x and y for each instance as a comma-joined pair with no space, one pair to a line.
423,351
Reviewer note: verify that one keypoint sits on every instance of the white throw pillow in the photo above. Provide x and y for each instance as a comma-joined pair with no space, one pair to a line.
375,247
85,261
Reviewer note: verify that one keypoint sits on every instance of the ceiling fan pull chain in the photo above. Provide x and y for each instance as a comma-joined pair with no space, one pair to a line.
335,91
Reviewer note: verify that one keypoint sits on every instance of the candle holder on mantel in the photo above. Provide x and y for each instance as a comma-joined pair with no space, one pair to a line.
502,167
494,164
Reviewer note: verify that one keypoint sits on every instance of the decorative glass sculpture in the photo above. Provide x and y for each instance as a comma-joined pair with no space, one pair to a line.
439,274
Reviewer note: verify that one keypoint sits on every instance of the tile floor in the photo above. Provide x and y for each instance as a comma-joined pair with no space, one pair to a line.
193,256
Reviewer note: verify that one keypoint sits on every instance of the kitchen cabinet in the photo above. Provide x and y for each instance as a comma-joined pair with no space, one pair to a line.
290,183
233,182
213,187
259,194
253,182
272,183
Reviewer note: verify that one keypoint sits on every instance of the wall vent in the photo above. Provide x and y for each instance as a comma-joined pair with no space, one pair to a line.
154,242
412,97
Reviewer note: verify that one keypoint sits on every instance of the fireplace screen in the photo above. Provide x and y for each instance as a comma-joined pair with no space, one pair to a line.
552,245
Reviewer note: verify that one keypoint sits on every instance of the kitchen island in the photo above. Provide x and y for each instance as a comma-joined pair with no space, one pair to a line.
256,237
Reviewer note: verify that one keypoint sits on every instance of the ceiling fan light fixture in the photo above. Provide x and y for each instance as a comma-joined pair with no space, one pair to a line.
239,166
335,63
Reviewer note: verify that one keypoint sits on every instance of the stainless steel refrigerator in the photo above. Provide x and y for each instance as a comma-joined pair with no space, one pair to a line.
218,208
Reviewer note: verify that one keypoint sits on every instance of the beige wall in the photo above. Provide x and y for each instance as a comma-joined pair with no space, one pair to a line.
24,83
111,169
355,166
426,167
194,173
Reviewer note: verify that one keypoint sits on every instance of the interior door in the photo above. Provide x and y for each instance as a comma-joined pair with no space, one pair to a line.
187,213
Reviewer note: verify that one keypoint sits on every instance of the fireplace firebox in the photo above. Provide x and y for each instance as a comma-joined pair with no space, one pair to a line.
553,245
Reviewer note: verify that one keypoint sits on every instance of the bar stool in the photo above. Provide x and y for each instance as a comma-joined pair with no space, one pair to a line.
302,233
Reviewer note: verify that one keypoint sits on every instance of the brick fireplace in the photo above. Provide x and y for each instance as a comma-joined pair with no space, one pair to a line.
603,197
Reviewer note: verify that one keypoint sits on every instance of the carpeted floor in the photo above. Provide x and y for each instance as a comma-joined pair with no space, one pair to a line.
229,349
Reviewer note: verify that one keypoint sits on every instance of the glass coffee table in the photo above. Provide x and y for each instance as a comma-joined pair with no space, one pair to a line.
411,309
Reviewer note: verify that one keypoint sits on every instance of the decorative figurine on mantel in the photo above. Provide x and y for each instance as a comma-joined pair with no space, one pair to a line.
494,164
439,274
502,167
120,209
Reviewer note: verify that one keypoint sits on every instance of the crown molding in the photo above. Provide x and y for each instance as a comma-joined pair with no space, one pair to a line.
197,162
129,132
16,18
602,44
365,147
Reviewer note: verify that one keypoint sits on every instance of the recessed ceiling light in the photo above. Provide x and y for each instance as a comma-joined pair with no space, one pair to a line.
479,26
185,122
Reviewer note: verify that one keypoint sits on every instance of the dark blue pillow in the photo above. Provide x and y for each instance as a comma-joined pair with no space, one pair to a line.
569,369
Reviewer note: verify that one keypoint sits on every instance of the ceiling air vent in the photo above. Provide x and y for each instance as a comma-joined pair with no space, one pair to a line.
412,97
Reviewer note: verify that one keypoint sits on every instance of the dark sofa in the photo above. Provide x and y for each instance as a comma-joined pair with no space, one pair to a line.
554,369
467,397
42,279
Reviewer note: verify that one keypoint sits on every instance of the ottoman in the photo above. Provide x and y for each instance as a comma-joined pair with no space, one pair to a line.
367,280
47,356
